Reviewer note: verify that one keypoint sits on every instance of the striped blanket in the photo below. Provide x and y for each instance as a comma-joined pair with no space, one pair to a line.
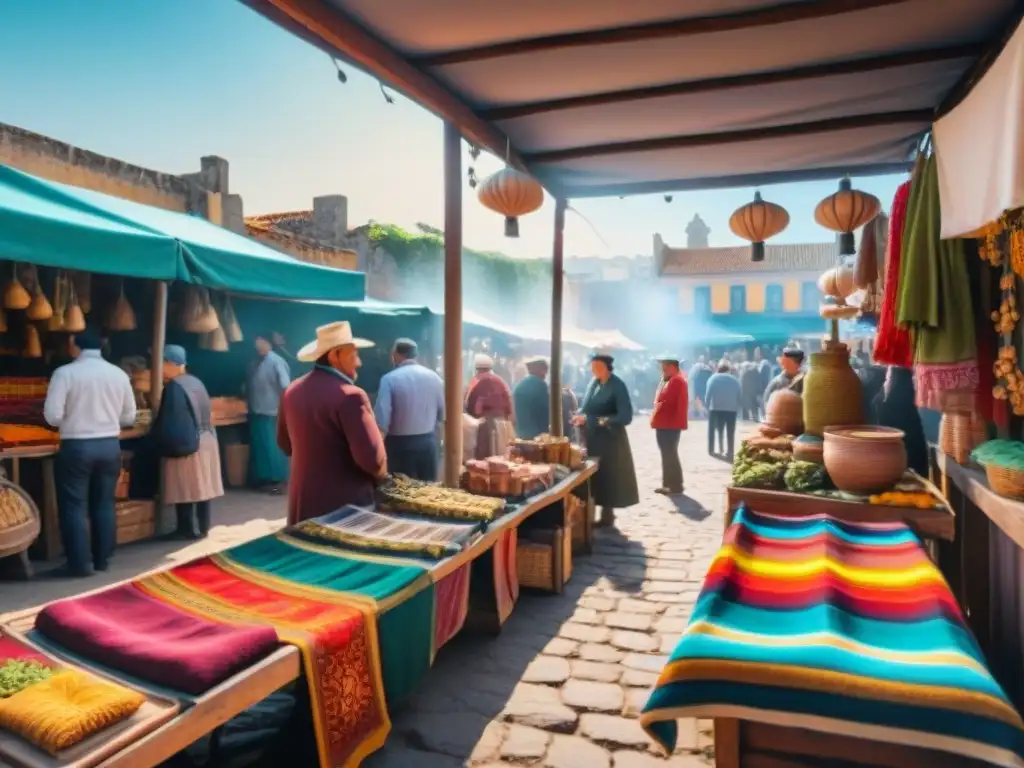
814,623
367,626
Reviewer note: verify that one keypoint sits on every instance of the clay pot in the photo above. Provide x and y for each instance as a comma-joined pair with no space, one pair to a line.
809,448
785,411
864,459
832,392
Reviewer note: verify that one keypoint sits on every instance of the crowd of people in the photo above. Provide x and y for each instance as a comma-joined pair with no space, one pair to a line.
322,438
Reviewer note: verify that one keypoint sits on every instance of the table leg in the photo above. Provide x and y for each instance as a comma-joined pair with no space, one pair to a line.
51,521
16,470
727,742
588,519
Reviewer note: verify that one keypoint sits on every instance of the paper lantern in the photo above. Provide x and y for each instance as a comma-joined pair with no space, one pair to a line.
756,222
845,211
512,194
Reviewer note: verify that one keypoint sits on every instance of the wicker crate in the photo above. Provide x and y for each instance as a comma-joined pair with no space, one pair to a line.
575,509
544,561
136,520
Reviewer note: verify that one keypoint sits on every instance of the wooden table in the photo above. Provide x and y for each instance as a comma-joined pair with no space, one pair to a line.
284,666
938,523
50,546
985,568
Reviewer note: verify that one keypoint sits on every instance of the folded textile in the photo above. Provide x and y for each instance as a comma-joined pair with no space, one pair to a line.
66,709
125,629
368,531
834,627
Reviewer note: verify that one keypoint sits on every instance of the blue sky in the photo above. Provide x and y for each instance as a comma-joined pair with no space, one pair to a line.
160,83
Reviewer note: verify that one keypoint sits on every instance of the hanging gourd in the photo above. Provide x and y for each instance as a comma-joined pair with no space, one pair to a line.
74,320
122,316
512,194
15,295
39,308
198,314
33,347
845,211
756,222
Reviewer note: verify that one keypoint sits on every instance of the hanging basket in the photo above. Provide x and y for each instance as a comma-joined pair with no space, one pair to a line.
33,346
122,316
198,314
15,296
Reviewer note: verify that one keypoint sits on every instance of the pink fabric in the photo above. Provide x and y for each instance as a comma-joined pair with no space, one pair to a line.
451,596
125,629
931,381
892,343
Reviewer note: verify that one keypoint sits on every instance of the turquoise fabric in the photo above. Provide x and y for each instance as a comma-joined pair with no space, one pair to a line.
45,224
406,638
376,580
59,225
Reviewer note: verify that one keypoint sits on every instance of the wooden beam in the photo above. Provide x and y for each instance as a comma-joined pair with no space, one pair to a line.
692,87
452,305
557,283
625,189
355,44
731,137
156,354
782,13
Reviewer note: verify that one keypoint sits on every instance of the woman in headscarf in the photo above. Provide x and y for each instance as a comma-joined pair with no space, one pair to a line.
187,442
605,413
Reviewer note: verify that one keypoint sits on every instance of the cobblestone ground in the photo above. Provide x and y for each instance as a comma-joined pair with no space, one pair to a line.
562,685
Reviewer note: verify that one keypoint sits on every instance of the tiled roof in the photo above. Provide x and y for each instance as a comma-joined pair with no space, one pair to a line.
808,257
276,218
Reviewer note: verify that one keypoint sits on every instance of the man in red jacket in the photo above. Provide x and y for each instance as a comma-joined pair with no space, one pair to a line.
669,420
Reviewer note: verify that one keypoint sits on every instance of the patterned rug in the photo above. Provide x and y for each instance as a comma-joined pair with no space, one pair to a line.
850,629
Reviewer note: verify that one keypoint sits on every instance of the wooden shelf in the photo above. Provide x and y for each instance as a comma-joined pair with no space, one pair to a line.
1005,513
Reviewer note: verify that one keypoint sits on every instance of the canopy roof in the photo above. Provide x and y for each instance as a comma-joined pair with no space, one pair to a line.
59,225
608,97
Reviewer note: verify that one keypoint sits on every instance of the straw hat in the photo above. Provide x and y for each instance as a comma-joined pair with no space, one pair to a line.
483,362
330,337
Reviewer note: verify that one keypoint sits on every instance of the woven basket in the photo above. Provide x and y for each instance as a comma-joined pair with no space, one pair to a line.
575,508
21,532
832,392
1006,482
959,434
535,560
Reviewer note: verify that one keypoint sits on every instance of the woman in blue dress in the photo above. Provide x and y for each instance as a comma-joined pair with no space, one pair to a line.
605,413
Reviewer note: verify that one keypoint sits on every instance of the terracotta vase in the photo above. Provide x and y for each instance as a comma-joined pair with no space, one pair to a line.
785,412
863,459
832,392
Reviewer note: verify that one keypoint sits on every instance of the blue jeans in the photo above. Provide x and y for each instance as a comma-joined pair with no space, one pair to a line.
86,474
413,455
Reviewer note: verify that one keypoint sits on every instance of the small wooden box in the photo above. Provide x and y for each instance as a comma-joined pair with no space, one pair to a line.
544,560
136,520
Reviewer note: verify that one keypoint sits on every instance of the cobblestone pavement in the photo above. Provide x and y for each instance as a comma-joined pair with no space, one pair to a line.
562,685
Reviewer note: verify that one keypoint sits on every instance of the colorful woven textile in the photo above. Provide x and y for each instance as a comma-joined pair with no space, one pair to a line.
813,623
125,629
368,531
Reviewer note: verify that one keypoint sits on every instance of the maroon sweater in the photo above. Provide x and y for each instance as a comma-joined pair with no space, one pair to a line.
327,427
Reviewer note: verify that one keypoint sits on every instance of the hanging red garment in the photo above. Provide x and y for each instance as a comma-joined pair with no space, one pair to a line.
892,344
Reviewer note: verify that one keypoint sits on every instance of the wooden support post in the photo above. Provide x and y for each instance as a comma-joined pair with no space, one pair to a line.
557,280
156,373
452,305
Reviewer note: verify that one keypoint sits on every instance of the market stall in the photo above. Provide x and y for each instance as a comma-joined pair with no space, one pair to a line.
150,273
373,594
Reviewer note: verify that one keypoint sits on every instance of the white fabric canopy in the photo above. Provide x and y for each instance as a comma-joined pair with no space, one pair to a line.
980,147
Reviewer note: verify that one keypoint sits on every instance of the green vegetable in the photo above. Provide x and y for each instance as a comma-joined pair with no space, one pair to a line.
1008,454
805,476
16,675
758,475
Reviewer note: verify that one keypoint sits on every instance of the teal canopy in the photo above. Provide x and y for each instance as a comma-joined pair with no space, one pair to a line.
98,232
42,223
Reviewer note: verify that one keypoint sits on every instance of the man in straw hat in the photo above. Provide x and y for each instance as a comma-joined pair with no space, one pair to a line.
489,398
325,424
668,421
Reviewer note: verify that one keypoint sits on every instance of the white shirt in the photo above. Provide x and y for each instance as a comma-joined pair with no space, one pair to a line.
89,398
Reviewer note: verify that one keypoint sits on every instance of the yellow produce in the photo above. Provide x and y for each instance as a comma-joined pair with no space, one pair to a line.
916,499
